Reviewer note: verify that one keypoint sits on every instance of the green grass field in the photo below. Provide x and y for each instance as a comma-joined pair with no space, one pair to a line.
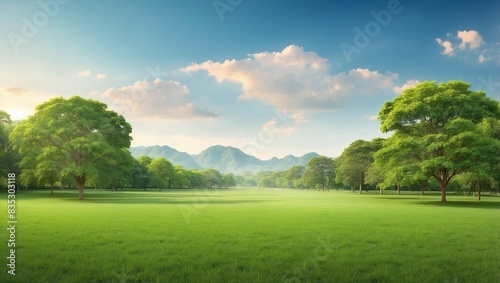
252,235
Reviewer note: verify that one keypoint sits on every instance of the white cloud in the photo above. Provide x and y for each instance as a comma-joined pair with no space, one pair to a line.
467,43
14,90
373,117
155,99
407,85
471,39
299,117
101,76
85,73
448,47
277,128
88,73
295,79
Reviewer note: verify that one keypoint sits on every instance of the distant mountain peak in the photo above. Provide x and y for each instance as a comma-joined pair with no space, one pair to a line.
222,158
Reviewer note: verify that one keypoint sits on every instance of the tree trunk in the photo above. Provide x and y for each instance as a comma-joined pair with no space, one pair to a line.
423,188
80,190
381,191
442,185
398,189
51,189
478,189
360,187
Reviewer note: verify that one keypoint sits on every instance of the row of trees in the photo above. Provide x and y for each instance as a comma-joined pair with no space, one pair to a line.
78,142
160,173
319,173
441,132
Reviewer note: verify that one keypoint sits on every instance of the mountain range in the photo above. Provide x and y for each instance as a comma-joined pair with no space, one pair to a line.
222,158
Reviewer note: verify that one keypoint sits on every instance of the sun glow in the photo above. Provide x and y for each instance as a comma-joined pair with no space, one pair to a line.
17,114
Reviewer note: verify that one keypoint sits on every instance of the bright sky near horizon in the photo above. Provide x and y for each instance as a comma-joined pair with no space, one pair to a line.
270,77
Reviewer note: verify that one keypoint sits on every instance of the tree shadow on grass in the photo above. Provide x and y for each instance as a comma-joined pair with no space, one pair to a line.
463,204
102,194
140,201
397,197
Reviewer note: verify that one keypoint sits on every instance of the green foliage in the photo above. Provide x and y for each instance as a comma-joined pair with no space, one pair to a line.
162,173
319,173
212,178
4,118
181,178
355,161
73,137
266,179
139,175
441,123
228,180
9,157
293,177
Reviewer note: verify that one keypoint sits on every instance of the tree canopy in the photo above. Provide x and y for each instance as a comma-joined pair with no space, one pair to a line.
73,137
354,162
320,171
440,122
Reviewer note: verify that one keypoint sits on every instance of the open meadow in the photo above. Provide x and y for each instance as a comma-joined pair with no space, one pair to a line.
253,235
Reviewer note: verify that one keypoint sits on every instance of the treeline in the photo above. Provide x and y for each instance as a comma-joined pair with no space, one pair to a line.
319,173
78,143
363,166
443,135
160,173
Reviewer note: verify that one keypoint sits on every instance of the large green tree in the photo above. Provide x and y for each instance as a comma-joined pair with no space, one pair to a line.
212,178
320,173
293,175
76,137
354,162
441,121
162,173
396,164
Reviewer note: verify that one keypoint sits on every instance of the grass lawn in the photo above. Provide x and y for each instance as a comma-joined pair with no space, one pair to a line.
252,235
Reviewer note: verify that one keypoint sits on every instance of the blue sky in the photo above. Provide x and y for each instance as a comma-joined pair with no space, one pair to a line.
270,77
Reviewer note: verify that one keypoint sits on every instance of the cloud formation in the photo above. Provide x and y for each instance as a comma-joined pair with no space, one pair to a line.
277,128
88,73
469,42
407,85
448,47
295,79
85,73
155,99
14,90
